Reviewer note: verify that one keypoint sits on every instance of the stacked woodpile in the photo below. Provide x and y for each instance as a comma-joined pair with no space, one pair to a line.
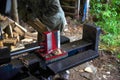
69,7
15,36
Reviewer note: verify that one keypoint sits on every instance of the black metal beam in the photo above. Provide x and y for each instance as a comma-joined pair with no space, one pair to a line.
72,61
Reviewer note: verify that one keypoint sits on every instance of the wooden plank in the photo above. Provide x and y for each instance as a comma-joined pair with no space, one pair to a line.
71,14
68,7
9,41
16,24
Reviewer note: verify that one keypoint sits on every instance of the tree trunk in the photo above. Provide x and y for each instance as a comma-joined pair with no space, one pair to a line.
15,11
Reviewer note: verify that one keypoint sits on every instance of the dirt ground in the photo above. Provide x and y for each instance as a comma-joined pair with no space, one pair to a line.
105,67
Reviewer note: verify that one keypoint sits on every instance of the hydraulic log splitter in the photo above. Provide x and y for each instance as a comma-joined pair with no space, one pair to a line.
43,59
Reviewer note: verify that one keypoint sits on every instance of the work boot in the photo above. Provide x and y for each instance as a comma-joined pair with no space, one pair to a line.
64,75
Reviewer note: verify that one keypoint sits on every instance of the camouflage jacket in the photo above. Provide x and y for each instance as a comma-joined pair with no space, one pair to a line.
52,15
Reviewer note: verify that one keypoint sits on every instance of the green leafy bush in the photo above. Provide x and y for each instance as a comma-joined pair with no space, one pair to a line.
107,17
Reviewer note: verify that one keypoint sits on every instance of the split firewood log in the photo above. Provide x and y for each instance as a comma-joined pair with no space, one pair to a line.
38,25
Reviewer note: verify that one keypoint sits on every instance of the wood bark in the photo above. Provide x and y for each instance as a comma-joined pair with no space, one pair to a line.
15,11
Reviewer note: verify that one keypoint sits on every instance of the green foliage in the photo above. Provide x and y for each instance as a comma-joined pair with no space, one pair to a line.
118,56
108,17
